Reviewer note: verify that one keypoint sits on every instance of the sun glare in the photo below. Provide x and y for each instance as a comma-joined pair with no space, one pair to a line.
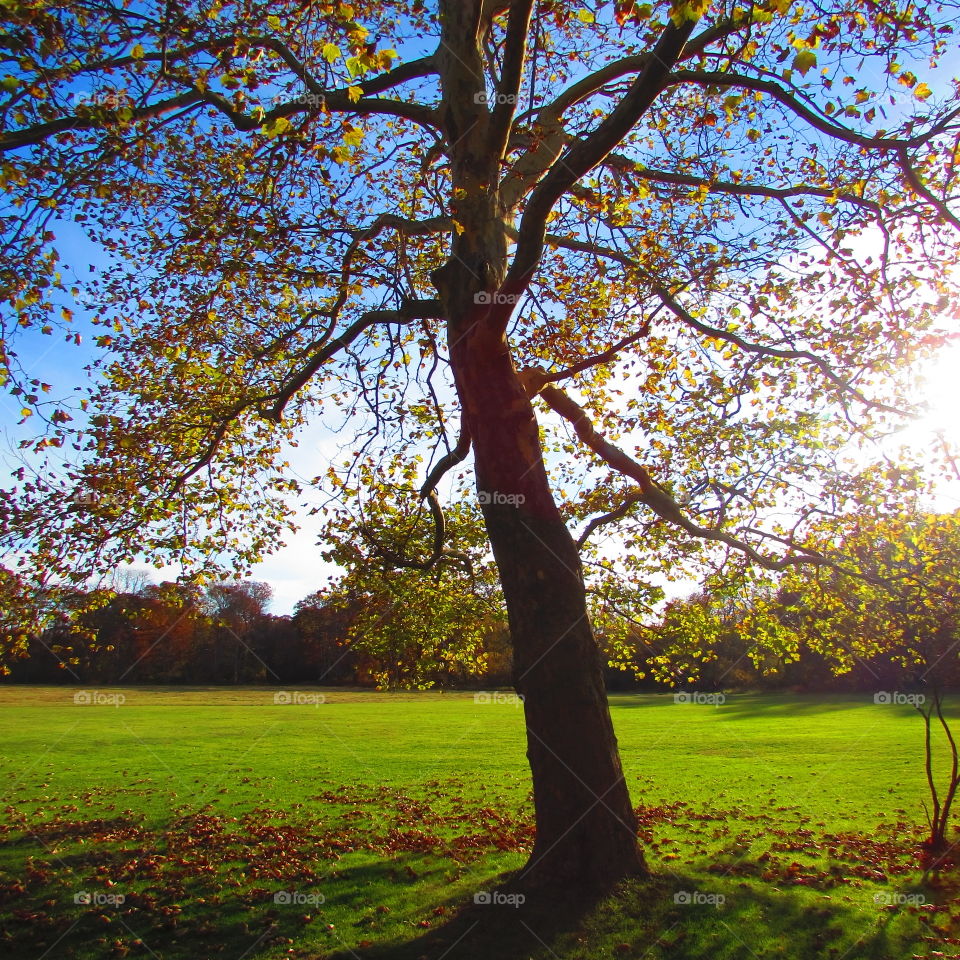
936,431
939,384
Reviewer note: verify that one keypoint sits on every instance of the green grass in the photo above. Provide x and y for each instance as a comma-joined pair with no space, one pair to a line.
381,815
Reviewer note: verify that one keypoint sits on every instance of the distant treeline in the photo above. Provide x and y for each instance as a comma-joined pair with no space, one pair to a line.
167,633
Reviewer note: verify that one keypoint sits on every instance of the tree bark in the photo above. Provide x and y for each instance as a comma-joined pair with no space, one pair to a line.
586,828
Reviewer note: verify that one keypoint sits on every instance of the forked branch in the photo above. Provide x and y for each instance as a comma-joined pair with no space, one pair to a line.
651,493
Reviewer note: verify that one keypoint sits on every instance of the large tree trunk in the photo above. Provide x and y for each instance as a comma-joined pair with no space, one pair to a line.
586,828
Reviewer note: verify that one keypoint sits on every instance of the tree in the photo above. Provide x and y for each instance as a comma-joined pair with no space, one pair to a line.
721,227
905,605
417,628
236,610
14,631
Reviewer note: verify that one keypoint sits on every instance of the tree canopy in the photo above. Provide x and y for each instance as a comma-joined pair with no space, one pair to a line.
717,278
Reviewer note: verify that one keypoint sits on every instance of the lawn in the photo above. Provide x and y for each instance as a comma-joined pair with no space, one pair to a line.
193,824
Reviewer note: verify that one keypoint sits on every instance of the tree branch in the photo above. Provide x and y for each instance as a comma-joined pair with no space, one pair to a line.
514,53
618,513
748,189
437,554
670,301
337,100
457,455
584,154
651,494
410,311
817,120
922,191
29,136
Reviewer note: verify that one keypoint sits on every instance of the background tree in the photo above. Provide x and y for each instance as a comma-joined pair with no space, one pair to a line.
15,604
897,601
417,628
237,609
719,227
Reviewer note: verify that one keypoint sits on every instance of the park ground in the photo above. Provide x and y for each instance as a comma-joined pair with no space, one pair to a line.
253,824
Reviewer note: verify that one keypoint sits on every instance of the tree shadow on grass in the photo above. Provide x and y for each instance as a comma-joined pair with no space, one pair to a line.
655,919
439,914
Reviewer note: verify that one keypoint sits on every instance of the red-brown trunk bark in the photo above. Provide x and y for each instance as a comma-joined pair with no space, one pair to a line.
586,828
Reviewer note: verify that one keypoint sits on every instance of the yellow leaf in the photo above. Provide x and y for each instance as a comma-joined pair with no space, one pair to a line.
276,127
353,136
354,93
804,60
921,91
137,52
331,52
585,16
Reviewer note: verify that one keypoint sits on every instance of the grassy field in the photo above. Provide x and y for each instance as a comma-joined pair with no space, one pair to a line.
193,824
